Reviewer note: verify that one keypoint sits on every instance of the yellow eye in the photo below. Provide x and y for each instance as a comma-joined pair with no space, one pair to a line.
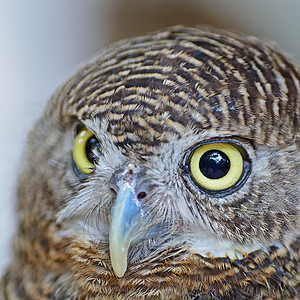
216,166
85,150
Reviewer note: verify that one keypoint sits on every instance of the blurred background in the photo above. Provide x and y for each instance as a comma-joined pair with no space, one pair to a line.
42,41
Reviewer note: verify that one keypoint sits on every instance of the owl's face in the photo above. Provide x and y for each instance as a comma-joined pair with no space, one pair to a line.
164,149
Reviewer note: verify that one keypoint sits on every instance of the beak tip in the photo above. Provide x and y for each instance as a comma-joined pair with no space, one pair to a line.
119,262
120,273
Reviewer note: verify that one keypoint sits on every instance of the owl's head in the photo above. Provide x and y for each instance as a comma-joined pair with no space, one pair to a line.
168,148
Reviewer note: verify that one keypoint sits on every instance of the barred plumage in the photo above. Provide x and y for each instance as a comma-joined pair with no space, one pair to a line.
150,102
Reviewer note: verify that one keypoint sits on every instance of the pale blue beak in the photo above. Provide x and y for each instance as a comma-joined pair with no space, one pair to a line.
125,221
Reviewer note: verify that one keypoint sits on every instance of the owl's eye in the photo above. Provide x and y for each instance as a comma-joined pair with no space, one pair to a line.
85,151
216,166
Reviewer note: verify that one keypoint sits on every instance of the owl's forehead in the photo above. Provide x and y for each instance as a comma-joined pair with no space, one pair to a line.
183,78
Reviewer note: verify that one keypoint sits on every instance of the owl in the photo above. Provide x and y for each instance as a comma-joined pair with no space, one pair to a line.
167,167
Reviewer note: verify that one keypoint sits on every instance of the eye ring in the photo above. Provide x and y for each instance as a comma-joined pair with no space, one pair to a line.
232,174
84,165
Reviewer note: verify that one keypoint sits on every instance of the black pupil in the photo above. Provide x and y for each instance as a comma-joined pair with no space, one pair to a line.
92,150
214,164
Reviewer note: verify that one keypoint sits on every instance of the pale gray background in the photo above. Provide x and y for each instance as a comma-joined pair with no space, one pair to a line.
42,41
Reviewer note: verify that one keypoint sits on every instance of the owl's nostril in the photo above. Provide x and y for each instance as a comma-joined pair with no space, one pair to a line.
141,195
113,192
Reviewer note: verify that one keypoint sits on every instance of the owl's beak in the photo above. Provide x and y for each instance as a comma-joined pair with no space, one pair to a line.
125,219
